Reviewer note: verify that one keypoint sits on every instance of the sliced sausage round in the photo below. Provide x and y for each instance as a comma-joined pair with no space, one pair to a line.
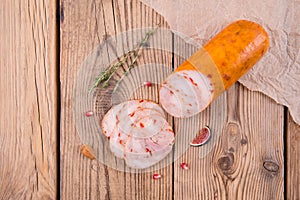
145,152
185,93
109,120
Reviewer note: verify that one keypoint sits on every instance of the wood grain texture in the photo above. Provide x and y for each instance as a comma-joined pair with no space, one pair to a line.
292,159
246,162
83,26
28,102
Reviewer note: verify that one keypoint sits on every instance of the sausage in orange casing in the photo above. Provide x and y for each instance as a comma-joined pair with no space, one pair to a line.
213,68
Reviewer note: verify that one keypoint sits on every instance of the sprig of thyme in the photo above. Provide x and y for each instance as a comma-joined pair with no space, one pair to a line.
105,76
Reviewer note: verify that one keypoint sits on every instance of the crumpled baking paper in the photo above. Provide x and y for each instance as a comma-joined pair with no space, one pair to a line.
278,73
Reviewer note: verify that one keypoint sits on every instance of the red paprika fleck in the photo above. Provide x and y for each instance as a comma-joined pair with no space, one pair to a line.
226,77
148,150
131,114
193,82
142,125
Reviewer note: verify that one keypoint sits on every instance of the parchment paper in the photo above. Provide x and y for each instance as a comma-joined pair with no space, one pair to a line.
278,73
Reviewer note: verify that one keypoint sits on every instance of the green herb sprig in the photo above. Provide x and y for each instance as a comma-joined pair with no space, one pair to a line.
105,76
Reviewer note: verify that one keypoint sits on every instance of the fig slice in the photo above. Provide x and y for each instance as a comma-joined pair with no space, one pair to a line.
202,137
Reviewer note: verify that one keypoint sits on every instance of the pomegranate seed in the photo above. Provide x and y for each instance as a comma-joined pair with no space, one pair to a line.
184,166
156,176
89,113
147,83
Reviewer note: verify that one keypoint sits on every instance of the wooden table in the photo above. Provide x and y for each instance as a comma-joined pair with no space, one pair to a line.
43,44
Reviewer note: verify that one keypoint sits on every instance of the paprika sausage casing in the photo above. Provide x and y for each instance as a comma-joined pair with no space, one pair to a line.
220,63
237,48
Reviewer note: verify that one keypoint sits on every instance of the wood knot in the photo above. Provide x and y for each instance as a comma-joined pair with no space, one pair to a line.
271,166
234,134
244,141
226,162
233,129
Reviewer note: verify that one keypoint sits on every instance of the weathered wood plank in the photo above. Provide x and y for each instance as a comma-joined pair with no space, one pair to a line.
81,178
292,159
28,103
83,27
